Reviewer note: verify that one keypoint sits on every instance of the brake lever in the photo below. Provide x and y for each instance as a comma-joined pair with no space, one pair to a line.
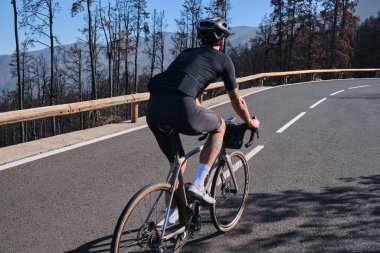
251,137
250,142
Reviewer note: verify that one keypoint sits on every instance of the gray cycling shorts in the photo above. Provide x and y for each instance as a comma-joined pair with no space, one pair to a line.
183,115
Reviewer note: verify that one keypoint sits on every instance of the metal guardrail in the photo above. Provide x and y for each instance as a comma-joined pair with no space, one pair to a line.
12,117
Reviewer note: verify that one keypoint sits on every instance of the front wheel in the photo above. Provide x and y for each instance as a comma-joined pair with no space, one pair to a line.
139,228
230,198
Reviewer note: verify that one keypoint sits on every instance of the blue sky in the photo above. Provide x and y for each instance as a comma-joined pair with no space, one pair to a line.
244,12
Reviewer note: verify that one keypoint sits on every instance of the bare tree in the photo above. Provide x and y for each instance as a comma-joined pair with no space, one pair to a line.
76,8
180,37
139,25
38,16
152,39
19,84
74,65
219,8
108,26
161,37
264,43
193,12
123,43
155,43
278,19
186,34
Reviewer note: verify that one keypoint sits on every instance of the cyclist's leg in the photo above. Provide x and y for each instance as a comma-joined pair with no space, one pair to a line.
164,142
208,155
213,145
199,119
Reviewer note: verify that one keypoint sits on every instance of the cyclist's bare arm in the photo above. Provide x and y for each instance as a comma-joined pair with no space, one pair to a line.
241,108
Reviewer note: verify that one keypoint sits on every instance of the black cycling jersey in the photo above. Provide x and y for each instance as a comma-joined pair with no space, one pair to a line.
193,70
173,93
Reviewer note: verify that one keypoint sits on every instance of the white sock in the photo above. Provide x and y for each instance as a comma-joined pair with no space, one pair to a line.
173,216
199,180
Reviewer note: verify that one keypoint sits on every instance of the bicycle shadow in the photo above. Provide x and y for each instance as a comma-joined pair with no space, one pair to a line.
343,218
99,245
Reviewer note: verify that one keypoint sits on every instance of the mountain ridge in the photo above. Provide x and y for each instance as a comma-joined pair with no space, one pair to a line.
240,36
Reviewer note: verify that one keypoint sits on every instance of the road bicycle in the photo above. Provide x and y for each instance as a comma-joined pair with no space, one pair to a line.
144,225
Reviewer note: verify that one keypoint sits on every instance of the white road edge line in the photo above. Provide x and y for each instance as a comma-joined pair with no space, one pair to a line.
81,144
282,129
315,105
333,94
254,151
357,87
74,146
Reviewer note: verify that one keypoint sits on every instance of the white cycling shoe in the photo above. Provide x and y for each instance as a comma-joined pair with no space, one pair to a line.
173,218
194,193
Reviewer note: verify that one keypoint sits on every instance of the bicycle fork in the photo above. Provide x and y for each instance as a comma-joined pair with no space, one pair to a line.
230,172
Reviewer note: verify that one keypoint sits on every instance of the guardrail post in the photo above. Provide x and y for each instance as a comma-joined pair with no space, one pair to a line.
377,74
135,117
286,79
341,75
313,78
261,82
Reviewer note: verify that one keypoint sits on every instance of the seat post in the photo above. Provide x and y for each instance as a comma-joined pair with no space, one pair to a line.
173,142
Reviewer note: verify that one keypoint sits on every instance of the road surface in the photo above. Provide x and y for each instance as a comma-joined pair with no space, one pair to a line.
315,184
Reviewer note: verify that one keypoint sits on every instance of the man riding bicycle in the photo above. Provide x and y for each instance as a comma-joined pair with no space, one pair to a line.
173,101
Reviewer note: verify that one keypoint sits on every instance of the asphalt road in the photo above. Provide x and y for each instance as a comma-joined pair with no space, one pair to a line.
315,186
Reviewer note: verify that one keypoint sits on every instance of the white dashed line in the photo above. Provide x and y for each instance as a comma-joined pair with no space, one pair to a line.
357,87
315,105
282,129
336,92
245,95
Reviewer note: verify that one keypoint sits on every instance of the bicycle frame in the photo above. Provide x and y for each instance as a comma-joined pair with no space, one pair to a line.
151,233
178,162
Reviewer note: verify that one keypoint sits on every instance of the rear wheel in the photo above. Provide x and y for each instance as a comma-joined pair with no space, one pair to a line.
230,200
140,225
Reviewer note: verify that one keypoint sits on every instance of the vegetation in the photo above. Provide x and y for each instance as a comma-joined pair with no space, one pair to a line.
297,34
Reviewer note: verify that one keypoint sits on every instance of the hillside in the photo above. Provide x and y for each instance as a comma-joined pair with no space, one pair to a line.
241,35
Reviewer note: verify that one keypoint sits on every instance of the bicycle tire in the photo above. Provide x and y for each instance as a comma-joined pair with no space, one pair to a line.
149,233
228,209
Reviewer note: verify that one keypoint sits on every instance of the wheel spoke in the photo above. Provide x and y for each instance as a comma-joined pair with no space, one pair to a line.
137,230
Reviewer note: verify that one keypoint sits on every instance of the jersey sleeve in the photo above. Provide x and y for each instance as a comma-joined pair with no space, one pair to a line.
228,74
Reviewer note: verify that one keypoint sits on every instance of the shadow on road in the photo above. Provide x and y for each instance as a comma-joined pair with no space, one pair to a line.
338,219
96,246
372,96
344,218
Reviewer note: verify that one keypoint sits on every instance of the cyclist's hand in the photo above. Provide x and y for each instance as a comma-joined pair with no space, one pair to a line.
254,123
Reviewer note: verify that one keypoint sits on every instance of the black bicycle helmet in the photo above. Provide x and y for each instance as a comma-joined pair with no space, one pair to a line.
212,30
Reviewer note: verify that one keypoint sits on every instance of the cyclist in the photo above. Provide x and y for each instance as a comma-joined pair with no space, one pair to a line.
174,101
